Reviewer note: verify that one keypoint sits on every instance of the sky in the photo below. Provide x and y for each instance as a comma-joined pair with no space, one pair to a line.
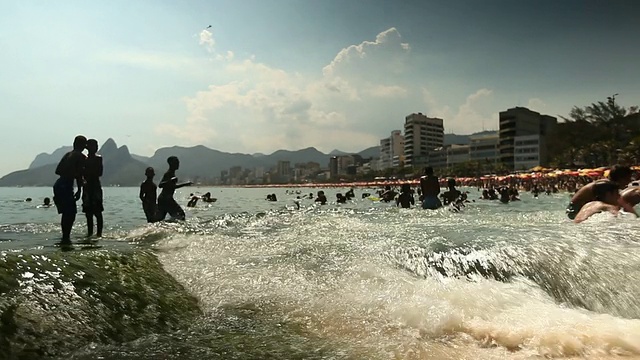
291,74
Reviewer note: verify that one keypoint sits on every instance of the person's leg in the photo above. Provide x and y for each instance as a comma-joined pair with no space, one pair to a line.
89,223
67,224
98,224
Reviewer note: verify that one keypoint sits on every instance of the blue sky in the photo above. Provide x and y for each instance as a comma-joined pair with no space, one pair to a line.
288,74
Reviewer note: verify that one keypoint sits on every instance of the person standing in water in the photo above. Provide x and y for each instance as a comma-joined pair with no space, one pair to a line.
70,168
405,199
430,190
148,196
92,194
169,184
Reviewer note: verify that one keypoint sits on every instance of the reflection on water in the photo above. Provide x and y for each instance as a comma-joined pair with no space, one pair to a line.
369,281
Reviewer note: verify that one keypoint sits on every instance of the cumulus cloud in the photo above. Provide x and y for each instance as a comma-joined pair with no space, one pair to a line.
536,104
475,114
206,39
359,97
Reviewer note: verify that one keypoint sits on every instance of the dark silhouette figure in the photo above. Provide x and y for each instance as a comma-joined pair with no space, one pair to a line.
430,187
193,201
70,167
148,196
169,184
46,202
322,199
92,194
405,199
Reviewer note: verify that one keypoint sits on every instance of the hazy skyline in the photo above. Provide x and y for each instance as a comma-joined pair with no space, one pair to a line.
289,74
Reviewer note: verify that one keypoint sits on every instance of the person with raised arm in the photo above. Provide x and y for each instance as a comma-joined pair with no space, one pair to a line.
169,184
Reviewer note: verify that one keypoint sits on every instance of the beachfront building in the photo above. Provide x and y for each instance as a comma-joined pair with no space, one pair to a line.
457,154
391,148
484,148
437,158
518,122
528,150
422,134
333,167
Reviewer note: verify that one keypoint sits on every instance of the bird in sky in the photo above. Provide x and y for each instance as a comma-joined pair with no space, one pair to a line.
208,27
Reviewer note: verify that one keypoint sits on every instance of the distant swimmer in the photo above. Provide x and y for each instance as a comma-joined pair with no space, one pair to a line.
169,184
388,194
606,197
148,196
46,203
28,199
452,194
193,202
92,194
405,199
618,175
69,168
341,199
322,199
430,189
207,198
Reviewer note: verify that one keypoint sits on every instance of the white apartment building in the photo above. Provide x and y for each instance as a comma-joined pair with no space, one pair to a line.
422,134
457,154
528,150
391,148
485,148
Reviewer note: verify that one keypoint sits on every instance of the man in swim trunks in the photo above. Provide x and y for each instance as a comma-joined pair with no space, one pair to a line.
618,175
148,195
169,184
430,189
92,192
70,167
607,198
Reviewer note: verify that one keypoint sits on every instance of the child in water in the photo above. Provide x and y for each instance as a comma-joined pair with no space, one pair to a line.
405,199
148,195
169,184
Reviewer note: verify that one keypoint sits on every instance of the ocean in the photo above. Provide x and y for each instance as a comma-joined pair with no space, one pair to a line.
245,278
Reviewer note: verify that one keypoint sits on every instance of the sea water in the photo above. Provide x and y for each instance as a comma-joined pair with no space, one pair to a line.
367,280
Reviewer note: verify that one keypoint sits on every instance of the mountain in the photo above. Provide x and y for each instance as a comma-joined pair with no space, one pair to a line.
120,168
53,158
371,152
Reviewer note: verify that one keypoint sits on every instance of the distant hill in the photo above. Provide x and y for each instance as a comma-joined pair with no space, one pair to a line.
196,163
46,159
120,168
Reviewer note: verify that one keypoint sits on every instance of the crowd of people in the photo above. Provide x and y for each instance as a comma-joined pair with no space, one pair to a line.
611,194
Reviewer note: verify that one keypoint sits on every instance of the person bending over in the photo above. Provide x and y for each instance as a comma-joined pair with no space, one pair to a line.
606,198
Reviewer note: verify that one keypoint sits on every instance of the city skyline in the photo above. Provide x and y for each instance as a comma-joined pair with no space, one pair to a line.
297,74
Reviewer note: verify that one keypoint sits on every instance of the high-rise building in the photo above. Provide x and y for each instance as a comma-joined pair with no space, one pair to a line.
391,148
421,135
484,148
518,128
333,167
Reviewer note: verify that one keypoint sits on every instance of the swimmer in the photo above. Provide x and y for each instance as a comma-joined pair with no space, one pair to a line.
341,199
430,189
46,203
405,199
388,194
618,175
193,202
452,194
322,199
606,197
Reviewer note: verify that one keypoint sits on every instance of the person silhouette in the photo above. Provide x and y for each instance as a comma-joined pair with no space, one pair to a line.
92,194
70,168
169,184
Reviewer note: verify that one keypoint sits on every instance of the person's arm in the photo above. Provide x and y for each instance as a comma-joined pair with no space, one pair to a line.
626,206
188,183
79,170
142,193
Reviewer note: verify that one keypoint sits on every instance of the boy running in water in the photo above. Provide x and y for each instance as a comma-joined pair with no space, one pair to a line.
169,184
148,196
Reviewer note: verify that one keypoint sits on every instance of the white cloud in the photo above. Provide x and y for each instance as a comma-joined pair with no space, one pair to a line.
536,104
361,95
475,114
206,39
